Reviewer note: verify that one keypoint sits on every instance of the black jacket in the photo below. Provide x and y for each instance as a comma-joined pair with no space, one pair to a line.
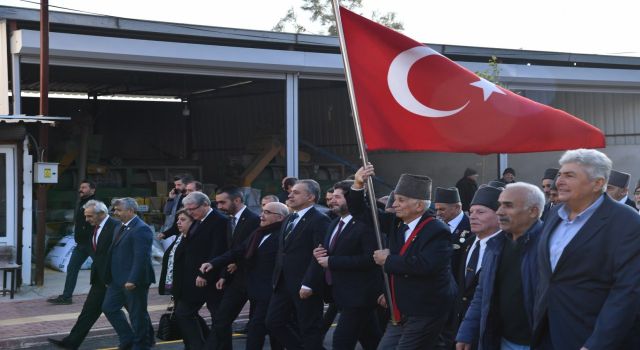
461,237
83,231
259,265
423,281
248,222
467,188
356,279
295,261
207,240
101,260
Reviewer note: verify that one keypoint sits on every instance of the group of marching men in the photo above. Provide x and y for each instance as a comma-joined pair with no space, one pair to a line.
497,277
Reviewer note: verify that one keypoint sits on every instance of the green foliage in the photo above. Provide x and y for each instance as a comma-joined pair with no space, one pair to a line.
492,74
321,12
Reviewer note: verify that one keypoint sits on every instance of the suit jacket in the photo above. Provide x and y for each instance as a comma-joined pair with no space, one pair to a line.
356,279
465,293
130,255
631,203
82,230
259,267
248,222
203,242
592,297
423,281
99,267
461,238
295,261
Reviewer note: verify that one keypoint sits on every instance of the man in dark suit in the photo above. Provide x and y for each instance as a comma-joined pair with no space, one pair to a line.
207,239
258,252
548,181
129,274
467,187
96,214
353,279
589,258
618,188
418,262
82,232
242,222
449,209
297,283
173,205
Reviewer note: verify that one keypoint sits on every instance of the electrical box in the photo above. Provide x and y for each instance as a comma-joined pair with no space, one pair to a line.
45,173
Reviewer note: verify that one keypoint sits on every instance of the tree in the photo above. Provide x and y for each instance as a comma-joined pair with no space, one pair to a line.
321,12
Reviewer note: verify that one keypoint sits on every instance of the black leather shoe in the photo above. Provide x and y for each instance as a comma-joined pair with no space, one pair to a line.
60,300
61,344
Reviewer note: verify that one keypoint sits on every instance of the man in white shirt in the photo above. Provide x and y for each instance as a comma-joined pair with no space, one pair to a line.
618,187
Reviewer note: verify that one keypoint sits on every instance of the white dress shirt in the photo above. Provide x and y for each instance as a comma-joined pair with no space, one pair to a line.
100,227
453,224
412,226
346,220
483,247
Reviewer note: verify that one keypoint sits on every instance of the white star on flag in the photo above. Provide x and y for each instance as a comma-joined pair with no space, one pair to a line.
487,88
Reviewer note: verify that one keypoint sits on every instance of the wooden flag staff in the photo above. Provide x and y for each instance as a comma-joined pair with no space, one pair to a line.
363,152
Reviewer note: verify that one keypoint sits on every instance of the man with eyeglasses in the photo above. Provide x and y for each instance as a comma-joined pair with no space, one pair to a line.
258,252
207,239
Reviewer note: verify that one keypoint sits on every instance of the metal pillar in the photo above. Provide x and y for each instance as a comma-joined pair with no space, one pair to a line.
291,103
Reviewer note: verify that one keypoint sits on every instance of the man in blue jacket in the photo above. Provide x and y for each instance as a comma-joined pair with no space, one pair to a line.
589,257
501,313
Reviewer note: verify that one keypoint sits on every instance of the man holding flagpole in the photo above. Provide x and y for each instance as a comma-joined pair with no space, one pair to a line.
418,262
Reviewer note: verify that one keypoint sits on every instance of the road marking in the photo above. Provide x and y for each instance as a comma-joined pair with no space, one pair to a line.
59,317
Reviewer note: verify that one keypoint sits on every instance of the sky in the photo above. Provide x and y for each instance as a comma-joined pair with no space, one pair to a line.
607,28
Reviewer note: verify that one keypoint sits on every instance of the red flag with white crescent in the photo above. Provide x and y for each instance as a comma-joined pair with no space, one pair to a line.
411,98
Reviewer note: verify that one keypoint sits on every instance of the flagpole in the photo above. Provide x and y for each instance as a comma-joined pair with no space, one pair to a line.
363,150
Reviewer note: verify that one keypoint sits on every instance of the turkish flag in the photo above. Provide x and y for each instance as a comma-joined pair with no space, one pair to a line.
412,98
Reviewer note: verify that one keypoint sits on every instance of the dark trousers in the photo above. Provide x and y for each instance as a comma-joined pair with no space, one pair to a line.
187,316
91,311
446,339
414,332
258,328
328,317
139,334
233,300
79,255
357,324
308,314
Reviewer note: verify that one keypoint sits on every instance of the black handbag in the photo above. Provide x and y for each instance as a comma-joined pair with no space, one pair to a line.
168,327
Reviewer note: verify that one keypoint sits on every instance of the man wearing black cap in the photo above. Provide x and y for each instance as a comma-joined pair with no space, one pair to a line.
508,176
548,180
417,261
484,224
467,187
449,210
618,187
501,313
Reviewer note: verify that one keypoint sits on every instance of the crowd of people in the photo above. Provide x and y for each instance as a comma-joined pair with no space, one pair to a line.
503,265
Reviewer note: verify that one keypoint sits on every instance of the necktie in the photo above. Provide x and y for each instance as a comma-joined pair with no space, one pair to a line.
470,273
94,239
232,223
403,228
290,225
117,236
332,244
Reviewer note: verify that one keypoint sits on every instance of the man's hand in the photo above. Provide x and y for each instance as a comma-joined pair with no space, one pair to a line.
380,256
200,282
362,175
206,267
231,268
220,284
382,301
305,293
173,193
130,286
324,261
463,346
160,236
319,252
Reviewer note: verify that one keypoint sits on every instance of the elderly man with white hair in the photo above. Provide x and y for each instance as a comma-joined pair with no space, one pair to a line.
589,258
501,313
